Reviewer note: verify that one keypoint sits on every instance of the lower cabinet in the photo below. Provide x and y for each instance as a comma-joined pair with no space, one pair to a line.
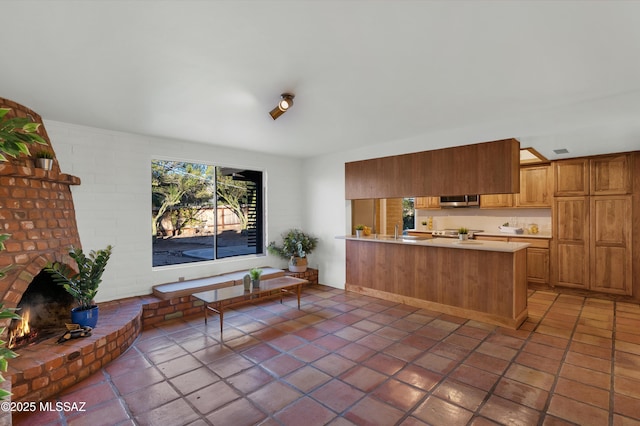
537,256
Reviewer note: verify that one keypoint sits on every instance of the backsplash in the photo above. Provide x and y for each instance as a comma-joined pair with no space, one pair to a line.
485,219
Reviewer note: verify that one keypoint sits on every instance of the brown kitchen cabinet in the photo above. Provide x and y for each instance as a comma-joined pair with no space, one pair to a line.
571,177
570,267
537,256
610,244
535,184
610,175
426,203
534,187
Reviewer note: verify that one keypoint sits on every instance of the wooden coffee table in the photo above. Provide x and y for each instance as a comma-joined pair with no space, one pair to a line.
217,300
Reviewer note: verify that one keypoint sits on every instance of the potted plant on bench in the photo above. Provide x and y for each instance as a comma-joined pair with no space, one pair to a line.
82,285
296,245
255,274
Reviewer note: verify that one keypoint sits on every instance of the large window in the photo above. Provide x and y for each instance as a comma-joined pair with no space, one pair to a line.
202,212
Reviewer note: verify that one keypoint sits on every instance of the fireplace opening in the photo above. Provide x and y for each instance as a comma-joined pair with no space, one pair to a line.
44,310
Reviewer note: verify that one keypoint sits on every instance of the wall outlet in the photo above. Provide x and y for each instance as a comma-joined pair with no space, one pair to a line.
180,279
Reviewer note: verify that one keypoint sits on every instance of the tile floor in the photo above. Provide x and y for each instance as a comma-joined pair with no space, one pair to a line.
350,359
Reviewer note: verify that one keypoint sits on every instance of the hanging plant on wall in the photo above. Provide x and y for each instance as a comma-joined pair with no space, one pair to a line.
15,134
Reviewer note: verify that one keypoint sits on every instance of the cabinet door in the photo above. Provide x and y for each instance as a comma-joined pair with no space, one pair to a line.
571,242
571,177
610,175
538,265
427,203
493,201
534,187
611,244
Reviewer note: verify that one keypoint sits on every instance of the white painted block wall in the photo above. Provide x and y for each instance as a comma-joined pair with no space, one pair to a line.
113,202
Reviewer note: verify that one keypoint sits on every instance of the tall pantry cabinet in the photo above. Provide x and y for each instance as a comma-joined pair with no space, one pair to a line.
592,224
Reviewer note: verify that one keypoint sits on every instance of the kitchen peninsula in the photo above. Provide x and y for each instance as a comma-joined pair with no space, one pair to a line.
479,280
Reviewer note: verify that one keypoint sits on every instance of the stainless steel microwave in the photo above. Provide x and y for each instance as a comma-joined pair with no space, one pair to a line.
460,201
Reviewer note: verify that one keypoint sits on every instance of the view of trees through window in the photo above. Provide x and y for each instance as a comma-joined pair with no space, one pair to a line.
408,213
202,212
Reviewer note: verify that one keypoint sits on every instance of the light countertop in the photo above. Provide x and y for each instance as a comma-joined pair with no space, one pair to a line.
492,234
442,242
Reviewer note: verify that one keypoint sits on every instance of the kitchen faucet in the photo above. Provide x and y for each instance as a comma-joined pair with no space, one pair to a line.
395,234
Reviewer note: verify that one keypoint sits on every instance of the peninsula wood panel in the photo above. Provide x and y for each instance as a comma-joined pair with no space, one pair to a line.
477,284
484,168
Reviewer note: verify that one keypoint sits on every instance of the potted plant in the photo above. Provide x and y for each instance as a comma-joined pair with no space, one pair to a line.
15,134
463,233
359,230
296,245
255,274
82,285
44,159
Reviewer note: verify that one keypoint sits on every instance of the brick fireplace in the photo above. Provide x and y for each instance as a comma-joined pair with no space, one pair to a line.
37,210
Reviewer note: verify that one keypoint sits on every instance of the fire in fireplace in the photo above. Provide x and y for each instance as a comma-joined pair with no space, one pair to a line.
44,310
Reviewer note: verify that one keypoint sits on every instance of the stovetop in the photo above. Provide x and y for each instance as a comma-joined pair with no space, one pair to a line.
452,233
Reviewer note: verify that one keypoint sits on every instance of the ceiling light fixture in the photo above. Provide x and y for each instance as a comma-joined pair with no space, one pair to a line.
284,104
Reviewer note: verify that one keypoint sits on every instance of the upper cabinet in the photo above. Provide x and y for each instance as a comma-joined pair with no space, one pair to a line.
571,177
534,187
535,184
484,168
610,175
602,175
427,203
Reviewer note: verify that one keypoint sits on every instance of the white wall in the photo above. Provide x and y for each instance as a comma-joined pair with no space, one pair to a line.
114,200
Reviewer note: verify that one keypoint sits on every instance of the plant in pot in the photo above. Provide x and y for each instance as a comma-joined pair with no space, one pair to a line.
15,134
83,284
255,274
463,233
296,245
359,230
44,159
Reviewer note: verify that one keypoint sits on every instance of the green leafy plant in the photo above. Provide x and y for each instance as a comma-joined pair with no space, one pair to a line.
463,231
360,227
15,134
5,353
295,243
82,285
255,273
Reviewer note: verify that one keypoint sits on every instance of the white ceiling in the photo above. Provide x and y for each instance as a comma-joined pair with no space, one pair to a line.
555,74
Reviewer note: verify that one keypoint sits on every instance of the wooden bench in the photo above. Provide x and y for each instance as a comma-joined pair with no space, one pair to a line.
186,288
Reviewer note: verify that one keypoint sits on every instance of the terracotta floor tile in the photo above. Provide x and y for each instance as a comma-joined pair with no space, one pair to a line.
404,352
410,323
333,364
309,352
260,353
384,364
237,413
586,376
355,352
458,393
435,411
166,354
590,362
521,393
631,348
391,333
498,351
110,413
305,411
486,362
178,366
584,393
436,363
307,378
627,406
475,377
366,325
150,397
137,380
132,360
626,386
538,362
530,376
370,412
507,412
193,380
432,332
375,342
577,412
337,395
274,396
419,342
350,333
419,377
175,412
250,380
398,394
462,341
207,399
310,333
544,351
363,378
230,365
282,365
286,343
92,395
330,342
212,353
